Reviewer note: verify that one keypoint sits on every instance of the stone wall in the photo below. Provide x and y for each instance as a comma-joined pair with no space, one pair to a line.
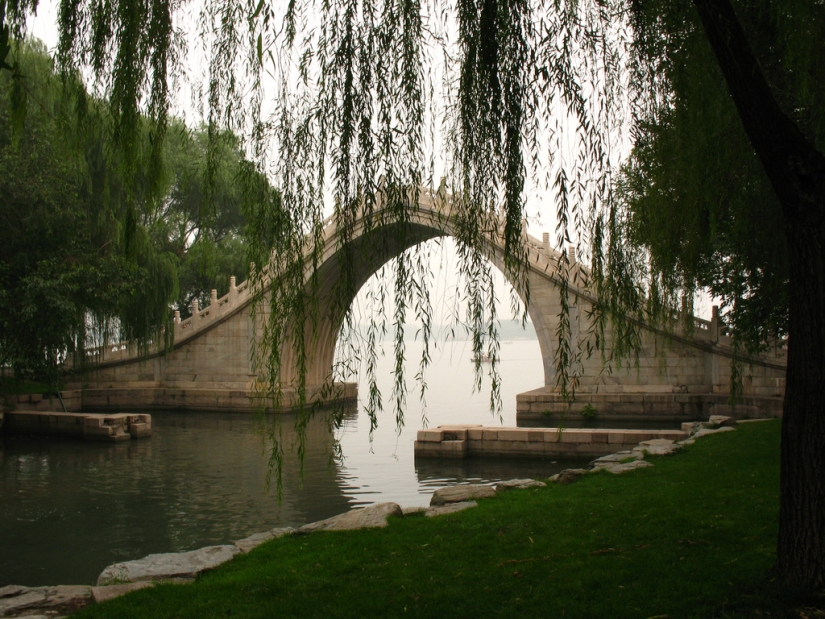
198,398
78,425
72,399
217,355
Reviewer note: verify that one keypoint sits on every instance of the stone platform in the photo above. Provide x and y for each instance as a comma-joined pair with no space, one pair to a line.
117,427
462,441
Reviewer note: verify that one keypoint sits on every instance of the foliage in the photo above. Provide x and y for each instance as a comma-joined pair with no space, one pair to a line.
12,386
82,258
201,219
357,131
5,39
56,260
690,537
694,197
589,411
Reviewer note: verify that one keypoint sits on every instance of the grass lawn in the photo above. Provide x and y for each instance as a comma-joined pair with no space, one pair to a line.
693,536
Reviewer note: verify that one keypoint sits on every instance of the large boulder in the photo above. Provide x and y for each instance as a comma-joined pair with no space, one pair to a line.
657,447
616,458
624,467
460,493
717,421
690,427
175,566
569,476
702,428
256,539
365,518
519,483
110,592
449,508
707,431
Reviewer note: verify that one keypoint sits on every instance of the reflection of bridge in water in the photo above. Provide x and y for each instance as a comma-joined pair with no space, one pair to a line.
681,375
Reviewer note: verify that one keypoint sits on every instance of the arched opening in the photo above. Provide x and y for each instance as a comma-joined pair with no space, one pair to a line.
382,458
372,250
451,394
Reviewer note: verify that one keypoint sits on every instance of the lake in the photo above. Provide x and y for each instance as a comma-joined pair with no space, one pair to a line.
69,508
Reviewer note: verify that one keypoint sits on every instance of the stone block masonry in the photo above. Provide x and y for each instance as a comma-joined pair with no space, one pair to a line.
636,403
200,397
463,441
72,399
112,428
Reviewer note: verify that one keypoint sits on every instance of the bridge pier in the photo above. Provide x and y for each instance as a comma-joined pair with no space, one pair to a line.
545,405
144,397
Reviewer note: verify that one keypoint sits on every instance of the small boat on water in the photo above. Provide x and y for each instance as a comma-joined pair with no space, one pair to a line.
483,358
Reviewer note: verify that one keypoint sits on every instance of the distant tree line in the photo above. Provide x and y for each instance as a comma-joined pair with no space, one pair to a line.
83,256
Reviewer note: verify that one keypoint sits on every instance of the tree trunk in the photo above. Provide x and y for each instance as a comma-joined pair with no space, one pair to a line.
796,170
801,545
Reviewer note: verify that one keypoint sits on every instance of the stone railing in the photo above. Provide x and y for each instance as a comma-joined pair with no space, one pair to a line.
201,318
217,308
715,332
712,331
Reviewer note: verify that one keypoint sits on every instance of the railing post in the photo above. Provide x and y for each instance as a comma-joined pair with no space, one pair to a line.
195,310
571,255
177,317
233,288
545,240
214,300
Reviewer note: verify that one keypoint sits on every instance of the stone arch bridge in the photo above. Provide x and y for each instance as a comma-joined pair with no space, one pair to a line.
678,375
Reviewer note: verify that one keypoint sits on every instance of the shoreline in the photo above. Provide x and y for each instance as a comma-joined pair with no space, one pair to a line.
462,497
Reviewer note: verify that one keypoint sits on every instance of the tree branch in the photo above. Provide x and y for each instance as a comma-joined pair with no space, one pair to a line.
793,164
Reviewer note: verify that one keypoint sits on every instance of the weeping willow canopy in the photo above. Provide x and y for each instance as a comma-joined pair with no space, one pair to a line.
353,108
351,105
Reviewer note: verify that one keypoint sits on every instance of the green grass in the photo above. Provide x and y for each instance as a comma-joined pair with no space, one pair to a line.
692,537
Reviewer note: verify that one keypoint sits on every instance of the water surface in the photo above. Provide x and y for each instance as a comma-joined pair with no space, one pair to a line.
69,508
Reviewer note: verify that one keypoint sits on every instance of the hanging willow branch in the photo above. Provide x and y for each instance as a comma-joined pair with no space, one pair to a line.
338,104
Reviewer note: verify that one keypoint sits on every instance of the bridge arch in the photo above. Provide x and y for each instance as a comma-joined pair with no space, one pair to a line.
377,246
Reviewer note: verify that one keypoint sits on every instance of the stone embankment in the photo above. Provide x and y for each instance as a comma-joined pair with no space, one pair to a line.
649,402
59,402
117,427
184,567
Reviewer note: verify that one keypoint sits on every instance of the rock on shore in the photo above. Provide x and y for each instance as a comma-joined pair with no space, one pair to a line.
17,601
174,566
368,517
461,493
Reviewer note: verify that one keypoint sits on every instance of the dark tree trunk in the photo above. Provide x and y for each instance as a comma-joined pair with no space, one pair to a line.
796,170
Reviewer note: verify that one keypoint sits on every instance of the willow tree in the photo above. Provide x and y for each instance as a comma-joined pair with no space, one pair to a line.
737,140
496,97
63,265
